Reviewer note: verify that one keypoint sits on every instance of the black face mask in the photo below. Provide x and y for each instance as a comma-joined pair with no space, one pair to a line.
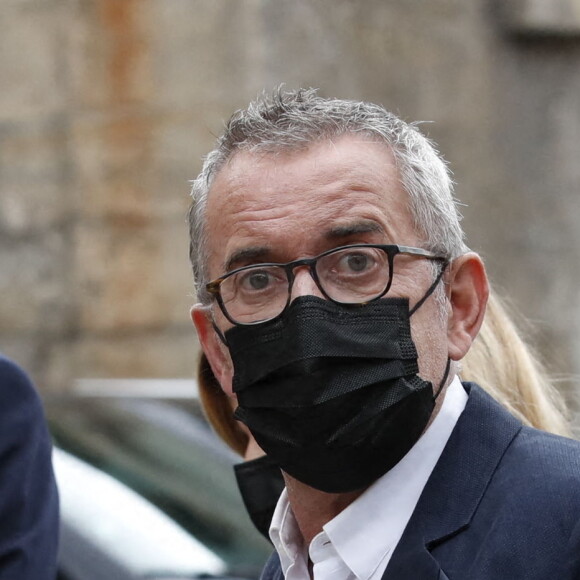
330,392
260,483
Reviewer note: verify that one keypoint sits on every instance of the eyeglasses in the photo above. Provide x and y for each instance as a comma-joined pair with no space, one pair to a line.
354,274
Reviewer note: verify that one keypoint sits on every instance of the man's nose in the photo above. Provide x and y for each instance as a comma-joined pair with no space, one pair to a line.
304,284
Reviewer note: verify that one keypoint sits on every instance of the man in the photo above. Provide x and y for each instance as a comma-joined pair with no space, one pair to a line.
337,299
28,495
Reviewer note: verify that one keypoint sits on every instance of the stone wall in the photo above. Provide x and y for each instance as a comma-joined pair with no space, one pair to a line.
107,106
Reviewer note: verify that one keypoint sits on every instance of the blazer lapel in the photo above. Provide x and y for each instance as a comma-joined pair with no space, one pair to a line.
456,486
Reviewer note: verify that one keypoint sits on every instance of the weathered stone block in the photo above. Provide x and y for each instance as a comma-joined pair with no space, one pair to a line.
109,56
131,276
178,144
35,177
112,157
163,354
135,165
32,68
206,54
35,284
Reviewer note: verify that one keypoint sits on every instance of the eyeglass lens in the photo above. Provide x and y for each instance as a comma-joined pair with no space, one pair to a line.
349,275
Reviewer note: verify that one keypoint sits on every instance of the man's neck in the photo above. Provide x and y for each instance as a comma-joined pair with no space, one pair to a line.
313,508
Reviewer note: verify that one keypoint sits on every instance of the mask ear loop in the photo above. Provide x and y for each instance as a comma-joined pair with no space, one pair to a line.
430,290
219,332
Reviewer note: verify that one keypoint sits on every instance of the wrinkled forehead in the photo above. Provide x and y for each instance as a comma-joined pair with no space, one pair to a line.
245,163
350,161
264,197
290,145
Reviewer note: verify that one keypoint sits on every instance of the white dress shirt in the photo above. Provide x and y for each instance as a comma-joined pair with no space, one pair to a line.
358,543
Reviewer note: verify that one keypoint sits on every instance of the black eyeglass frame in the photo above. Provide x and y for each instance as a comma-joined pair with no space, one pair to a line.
392,250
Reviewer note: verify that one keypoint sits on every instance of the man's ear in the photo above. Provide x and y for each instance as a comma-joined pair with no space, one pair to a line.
216,352
467,293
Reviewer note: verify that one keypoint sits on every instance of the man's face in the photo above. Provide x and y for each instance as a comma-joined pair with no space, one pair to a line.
278,208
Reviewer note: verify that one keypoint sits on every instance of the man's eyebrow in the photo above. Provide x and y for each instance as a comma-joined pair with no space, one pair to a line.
247,255
364,227
255,254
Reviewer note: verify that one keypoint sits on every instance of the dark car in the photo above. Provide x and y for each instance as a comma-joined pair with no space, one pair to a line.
147,491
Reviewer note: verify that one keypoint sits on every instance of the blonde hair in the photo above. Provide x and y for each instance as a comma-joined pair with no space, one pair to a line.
503,364
218,409
500,361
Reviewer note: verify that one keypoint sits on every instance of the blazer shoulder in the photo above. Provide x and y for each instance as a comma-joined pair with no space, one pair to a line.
20,403
548,457
15,382
533,462
535,490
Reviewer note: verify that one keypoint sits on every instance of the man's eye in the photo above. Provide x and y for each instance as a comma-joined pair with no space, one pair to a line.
356,262
256,281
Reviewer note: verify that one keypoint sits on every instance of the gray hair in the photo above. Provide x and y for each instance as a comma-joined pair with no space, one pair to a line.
292,121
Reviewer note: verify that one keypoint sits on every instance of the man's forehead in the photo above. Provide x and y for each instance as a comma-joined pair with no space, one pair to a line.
242,163
345,160
331,191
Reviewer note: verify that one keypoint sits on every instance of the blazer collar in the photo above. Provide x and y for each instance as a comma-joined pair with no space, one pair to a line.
456,486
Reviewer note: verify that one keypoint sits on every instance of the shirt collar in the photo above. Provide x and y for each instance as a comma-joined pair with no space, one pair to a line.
286,537
366,533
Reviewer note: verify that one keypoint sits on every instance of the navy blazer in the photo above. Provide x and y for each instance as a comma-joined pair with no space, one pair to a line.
28,495
503,503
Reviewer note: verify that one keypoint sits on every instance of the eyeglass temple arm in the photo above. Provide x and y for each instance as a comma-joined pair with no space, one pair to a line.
419,252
